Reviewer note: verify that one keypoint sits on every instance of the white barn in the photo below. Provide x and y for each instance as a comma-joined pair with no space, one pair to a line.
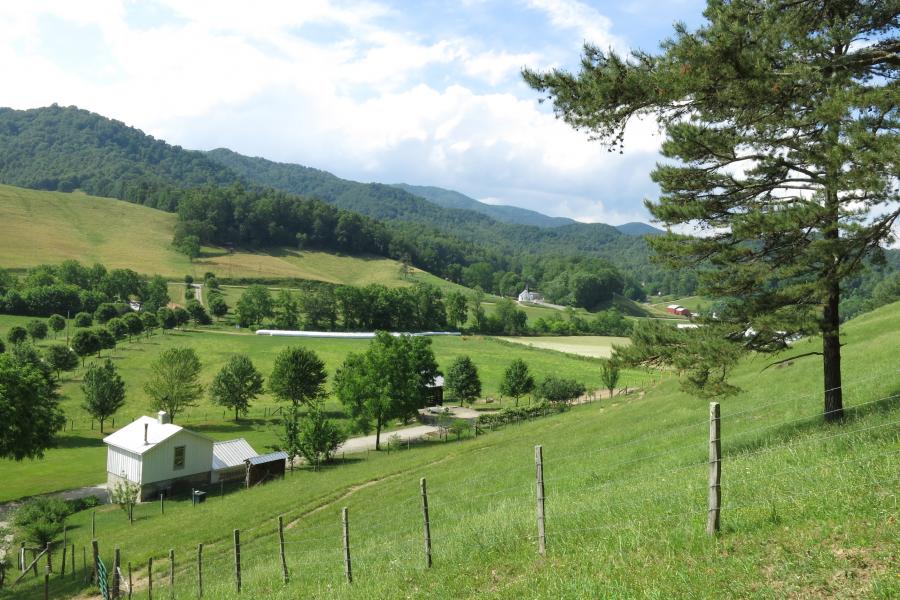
530,296
162,457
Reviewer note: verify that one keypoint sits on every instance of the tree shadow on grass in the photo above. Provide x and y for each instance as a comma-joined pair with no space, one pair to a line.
78,441
776,436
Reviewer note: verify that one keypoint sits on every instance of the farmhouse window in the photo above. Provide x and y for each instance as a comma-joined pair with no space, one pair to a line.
179,457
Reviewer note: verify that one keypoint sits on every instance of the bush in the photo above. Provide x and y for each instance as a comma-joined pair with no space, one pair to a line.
84,319
559,389
40,520
519,413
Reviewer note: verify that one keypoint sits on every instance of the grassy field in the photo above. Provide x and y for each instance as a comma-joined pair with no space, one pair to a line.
49,227
594,346
809,510
81,457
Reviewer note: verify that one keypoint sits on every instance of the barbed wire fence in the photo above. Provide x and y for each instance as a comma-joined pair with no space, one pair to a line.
575,496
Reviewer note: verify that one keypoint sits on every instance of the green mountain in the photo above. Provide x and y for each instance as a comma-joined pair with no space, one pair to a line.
504,214
639,229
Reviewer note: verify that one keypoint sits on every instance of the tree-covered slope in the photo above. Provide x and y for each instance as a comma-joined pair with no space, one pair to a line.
65,148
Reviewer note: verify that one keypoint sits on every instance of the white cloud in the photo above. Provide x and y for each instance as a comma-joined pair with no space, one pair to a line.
588,22
370,102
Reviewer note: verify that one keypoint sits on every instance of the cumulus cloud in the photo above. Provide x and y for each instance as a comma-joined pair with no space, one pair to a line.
369,99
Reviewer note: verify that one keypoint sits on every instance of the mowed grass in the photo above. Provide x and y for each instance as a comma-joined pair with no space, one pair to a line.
48,227
809,509
80,459
594,346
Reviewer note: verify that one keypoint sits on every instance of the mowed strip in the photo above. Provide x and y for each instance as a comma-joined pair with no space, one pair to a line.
592,346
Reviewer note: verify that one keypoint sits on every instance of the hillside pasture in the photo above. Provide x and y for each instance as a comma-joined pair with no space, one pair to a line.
809,511
39,227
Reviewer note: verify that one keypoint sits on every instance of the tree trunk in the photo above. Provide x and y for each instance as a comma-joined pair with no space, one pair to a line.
236,414
101,425
831,352
378,434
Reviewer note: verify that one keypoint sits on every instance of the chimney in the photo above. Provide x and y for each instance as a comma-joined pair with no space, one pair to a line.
163,417
146,425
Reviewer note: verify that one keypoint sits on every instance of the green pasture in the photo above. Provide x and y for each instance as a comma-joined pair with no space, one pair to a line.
80,459
809,509
48,227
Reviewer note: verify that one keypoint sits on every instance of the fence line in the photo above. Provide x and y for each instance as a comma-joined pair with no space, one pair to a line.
395,540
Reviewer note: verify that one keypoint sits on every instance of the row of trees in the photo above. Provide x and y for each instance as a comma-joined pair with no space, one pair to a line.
70,287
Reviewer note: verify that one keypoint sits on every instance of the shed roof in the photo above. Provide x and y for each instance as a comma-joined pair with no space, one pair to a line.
267,458
231,453
131,437
438,381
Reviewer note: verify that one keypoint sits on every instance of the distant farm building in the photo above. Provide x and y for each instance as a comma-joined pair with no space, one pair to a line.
677,309
161,457
530,296
434,392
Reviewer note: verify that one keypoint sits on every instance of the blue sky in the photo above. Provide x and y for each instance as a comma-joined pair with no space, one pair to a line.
427,92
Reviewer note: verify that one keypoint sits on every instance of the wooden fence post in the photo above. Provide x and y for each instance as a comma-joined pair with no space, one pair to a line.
49,559
427,523
237,559
348,570
199,570
539,495
62,566
93,525
73,561
162,504
47,584
284,571
130,584
172,572
117,579
95,553
150,578
715,469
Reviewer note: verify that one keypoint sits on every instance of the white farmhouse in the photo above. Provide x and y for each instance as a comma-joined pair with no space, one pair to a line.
158,456
530,296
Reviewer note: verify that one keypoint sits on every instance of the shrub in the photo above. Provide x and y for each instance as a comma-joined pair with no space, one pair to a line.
40,520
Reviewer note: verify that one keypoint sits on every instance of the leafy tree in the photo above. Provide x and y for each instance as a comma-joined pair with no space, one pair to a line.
150,322
29,403
37,330
2,347
887,290
236,384
85,343
457,309
40,520
61,358
188,280
104,391
166,318
782,137
189,293
387,382
117,328
559,389
189,245
17,334
462,382
319,437
287,311
198,313
56,323
106,339
298,376
105,312
217,306
609,375
156,295
134,323
254,305
84,319
126,494
182,317
174,382
517,380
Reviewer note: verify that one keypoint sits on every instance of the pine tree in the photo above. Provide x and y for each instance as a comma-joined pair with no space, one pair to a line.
781,121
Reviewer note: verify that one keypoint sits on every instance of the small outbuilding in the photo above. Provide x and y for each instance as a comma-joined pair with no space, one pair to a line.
263,468
434,392
527,295
158,456
229,460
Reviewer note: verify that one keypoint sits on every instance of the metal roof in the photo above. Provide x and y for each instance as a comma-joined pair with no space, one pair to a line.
131,437
438,381
266,458
231,453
